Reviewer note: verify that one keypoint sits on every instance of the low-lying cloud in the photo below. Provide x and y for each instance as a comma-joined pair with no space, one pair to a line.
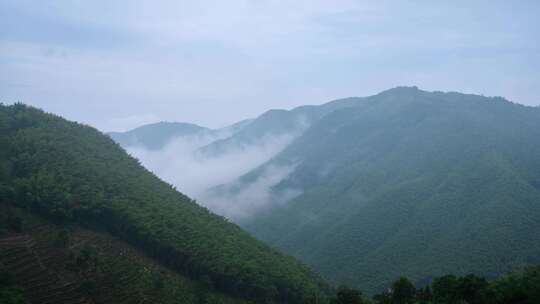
251,197
192,172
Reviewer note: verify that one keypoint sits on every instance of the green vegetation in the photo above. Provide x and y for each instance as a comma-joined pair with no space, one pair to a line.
275,123
9,292
411,183
516,288
74,175
92,267
345,295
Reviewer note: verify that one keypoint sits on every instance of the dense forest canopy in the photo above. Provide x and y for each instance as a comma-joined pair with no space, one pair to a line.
65,263
520,287
71,173
409,182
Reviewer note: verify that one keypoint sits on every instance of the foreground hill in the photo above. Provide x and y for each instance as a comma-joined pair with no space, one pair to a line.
411,183
74,176
42,262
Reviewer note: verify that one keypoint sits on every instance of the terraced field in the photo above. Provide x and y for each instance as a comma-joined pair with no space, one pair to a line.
19,257
74,265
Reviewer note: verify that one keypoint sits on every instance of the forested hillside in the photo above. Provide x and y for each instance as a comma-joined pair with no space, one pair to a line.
72,175
42,262
410,183
276,123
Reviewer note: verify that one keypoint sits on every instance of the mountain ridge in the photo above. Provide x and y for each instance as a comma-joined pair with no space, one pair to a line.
156,135
400,144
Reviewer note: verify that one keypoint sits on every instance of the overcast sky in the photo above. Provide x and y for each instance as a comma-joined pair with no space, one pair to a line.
120,64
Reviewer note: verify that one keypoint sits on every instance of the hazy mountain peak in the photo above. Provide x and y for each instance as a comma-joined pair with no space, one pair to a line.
401,90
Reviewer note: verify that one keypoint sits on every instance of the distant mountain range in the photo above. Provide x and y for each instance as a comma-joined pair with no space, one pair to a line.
156,136
238,135
405,182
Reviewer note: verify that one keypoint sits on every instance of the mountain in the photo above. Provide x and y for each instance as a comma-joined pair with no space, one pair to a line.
281,124
86,220
408,182
236,127
156,136
208,159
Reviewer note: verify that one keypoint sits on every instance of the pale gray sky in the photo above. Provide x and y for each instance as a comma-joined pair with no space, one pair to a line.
119,64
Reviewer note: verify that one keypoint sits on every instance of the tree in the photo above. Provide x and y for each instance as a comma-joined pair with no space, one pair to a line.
424,295
517,288
444,289
14,223
62,239
531,283
384,297
85,259
10,294
158,282
347,295
472,289
403,291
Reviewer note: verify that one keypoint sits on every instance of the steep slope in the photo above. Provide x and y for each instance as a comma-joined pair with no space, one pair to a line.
70,173
69,264
411,183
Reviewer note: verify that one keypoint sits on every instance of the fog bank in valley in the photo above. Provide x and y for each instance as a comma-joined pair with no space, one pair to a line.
182,164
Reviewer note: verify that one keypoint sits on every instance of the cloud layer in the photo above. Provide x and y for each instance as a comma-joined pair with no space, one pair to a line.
253,197
193,173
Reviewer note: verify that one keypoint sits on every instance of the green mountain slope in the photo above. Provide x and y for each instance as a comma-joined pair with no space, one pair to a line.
411,183
73,174
276,123
69,264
